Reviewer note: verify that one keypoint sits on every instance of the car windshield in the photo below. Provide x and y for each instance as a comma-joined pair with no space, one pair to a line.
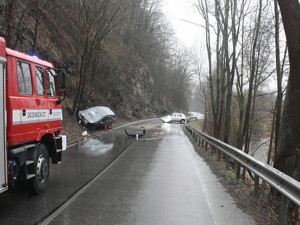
94,113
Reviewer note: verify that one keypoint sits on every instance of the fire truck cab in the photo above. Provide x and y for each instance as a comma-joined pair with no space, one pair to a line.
30,118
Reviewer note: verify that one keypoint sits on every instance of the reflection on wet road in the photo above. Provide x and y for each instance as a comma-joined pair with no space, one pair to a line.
113,179
80,164
96,146
158,180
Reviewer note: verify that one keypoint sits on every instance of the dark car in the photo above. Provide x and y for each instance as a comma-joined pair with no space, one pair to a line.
97,117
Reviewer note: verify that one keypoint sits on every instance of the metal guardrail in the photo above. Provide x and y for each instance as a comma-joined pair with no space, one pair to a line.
286,185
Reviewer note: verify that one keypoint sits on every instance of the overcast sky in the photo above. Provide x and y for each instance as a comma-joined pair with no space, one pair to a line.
192,36
177,11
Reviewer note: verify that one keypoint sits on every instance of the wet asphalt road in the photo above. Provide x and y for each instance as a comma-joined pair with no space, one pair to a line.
157,179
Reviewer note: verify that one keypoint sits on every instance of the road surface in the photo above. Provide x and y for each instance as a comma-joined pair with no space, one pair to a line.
112,179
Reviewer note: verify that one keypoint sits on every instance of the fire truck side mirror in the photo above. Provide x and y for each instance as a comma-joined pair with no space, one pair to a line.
61,81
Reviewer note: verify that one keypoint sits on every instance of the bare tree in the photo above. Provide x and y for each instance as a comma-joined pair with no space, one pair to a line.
96,20
246,122
279,99
11,6
203,9
39,7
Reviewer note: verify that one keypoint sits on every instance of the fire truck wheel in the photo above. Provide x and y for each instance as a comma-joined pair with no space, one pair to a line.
41,169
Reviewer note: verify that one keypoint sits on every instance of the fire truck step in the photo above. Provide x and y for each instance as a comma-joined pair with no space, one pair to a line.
28,162
30,176
29,146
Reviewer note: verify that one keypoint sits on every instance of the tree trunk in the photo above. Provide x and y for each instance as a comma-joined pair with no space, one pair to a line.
203,10
252,76
286,158
240,94
271,139
289,137
230,75
10,7
279,78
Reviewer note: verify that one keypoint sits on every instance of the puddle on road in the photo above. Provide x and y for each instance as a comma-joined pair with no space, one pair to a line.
170,129
161,131
106,142
96,146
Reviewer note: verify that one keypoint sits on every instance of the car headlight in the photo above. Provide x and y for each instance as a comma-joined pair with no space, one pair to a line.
82,120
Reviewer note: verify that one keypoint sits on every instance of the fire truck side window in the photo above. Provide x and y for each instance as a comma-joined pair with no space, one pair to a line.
24,78
39,74
50,84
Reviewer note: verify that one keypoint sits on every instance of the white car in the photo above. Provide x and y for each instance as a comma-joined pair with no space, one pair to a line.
166,119
175,117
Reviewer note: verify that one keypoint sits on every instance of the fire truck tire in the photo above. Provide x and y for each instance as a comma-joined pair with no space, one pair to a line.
42,169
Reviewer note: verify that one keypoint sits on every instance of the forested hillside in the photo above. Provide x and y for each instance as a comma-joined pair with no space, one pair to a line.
116,53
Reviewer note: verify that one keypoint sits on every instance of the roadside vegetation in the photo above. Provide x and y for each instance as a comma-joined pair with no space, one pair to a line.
249,83
198,124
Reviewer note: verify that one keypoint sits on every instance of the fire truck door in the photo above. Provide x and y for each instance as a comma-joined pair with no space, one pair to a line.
3,167
41,103
55,112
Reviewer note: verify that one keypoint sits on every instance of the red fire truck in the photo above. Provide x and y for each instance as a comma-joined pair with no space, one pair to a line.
31,91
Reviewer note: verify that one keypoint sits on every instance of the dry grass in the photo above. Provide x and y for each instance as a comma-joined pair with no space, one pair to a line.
198,124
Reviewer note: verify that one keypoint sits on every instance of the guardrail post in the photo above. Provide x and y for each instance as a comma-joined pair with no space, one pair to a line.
199,141
205,146
227,162
238,171
283,210
256,185
189,129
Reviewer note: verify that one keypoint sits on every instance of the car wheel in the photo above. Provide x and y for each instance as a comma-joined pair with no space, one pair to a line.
42,169
181,121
